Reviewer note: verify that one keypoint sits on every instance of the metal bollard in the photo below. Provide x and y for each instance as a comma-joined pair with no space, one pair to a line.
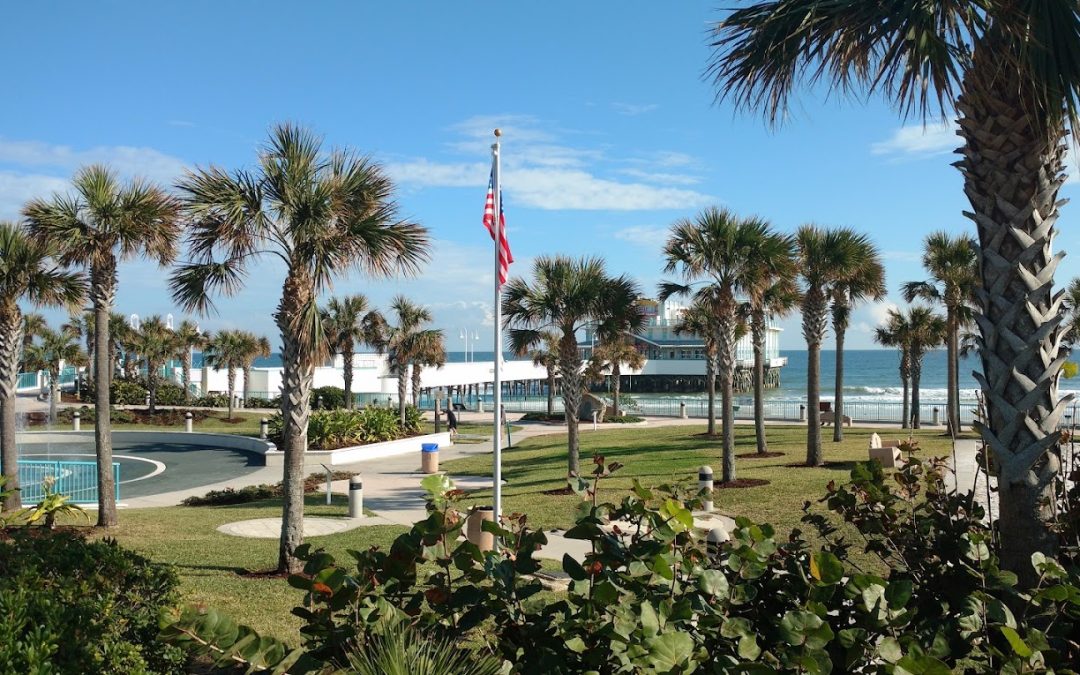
75,422
716,537
474,531
705,482
682,410
187,421
356,497
936,415
264,428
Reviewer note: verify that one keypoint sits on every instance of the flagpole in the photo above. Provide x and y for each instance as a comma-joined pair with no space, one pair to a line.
497,436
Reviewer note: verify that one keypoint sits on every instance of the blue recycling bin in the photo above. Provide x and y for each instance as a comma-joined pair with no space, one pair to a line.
429,457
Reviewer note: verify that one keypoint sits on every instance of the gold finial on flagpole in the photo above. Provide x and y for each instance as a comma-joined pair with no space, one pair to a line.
498,132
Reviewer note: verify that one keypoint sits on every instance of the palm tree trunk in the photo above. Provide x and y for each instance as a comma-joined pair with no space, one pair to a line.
417,369
10,345
813,325
905,414
953,395
550,391
186,375
916,379
710,391
1013,163
232,389
102,294
616,377
758,330
725,354
152,384
299,371
570,369
839,328
402,391
247,381
347,373
54,392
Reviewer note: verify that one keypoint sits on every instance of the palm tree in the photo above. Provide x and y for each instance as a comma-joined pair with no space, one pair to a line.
55,349
613,353
188,338
953,266
545,354
895,332
864,279
916,332
322,214
824,258
774,296
155,344
431,354
406,343
1009,71
32,326
701,319
343,325
103,223
718,250
1071,310
228,350
252,347
28,272
566,296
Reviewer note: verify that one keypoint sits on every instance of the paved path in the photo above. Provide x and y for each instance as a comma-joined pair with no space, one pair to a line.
270,528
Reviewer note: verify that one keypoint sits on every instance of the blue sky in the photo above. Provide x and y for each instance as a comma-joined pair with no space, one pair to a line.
610,132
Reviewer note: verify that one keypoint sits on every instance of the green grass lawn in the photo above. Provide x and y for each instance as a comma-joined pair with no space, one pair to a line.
667,454
210,564
243,423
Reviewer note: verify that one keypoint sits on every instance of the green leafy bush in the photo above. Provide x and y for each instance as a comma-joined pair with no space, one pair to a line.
333,429
73,606
254,493
257,402
213,401
127,392
170,393
327,398
655,597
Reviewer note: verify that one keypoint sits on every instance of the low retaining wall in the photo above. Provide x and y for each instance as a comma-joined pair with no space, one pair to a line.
361,453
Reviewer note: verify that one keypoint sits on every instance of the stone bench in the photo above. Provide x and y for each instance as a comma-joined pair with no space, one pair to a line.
830,418
886,452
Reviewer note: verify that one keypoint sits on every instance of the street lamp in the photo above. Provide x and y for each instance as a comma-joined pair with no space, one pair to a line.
464,335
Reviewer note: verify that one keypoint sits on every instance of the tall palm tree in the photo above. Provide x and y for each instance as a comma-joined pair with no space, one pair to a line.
228,350
188,338
322,214
406,343
155,344
895,332
920,330
566,296
864,279
343,325
953,265
545,354
702,319
28,272
1010,71
33,324
717,252
768,302
613,353
824,257
252,347
101,224
55,349
431,354
1071,310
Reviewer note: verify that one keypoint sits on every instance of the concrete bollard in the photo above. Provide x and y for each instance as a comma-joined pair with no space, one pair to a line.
75,421
429,457
474,531
187,421
802,413
264,428
715,539
705,482
936,413
480,405
438,421
594,420
147,404
356,497
682,410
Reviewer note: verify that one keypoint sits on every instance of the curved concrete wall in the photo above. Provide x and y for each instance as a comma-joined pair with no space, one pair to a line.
229,441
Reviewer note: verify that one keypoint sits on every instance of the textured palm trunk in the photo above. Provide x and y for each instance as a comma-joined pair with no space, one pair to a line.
570,370
710,393
616,385
185,377
54,392
815,310
232,389
102,295
840,324
10,343
347,373
757,328
247,382
152,384
550,391
916,382
953,357
905,377
1013,163
299,370
725,356
402,391
416,372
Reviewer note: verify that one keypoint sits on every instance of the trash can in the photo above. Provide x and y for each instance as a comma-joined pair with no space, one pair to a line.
474,531
429,457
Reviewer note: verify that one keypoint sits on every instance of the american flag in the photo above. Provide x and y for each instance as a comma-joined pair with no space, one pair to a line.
505,257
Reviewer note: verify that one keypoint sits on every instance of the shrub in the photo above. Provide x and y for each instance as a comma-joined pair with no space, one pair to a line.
127,392
333,398
256,493
170,393
72,606
213,401
257,402
332,429
659,599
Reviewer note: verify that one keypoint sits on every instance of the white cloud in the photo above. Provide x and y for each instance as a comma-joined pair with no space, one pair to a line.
872,316
652,238
127,160
634,109
542,172
905,256
917,141
16,189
